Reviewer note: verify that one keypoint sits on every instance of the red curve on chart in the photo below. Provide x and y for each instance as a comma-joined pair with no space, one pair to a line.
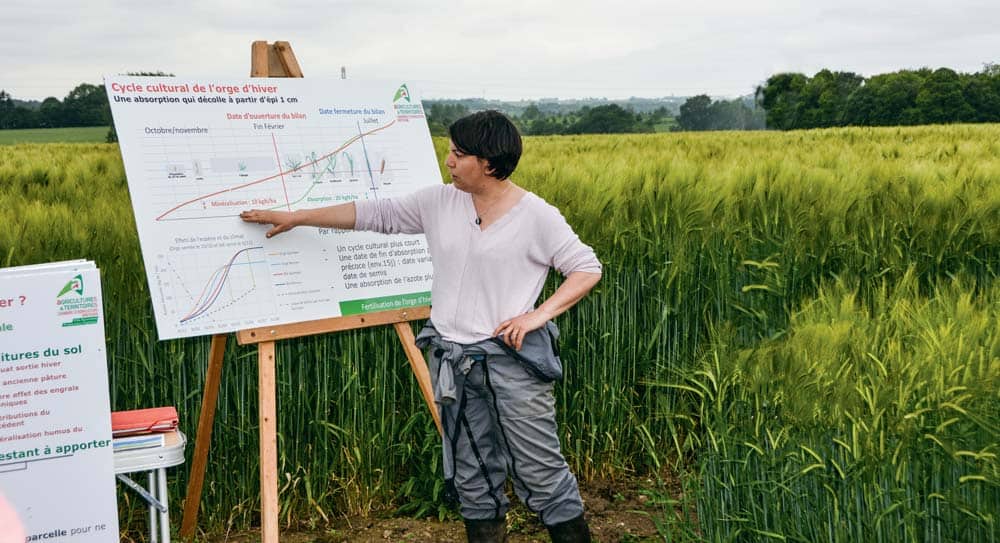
277,175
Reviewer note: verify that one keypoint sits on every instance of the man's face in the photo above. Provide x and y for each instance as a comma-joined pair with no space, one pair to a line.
468,172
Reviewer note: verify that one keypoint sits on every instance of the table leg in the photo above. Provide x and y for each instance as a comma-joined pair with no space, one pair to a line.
164,515
153,513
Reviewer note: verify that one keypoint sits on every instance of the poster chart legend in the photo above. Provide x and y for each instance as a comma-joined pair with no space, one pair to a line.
197,152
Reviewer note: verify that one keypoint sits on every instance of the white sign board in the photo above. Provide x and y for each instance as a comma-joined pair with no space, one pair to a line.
56,464
197,152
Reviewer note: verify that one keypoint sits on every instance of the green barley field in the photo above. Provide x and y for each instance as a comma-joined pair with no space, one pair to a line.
803,326
83,134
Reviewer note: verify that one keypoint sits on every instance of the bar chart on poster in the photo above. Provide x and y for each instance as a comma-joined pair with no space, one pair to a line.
198,152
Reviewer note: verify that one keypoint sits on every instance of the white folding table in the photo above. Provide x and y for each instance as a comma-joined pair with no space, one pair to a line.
155,461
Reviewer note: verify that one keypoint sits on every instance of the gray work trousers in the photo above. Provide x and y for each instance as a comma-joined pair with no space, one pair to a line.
504,423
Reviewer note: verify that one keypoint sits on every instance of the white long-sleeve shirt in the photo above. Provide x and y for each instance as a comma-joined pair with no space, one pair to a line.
481,277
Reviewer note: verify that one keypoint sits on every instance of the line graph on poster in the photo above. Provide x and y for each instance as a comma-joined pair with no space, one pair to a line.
199,291
225,170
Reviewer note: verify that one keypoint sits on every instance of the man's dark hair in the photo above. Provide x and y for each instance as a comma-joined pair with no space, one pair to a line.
489,135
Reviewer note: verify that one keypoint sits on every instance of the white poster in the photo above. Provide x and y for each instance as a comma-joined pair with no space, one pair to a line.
56,464
197,152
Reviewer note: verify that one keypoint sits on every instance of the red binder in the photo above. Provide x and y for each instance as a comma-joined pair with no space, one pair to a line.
143,421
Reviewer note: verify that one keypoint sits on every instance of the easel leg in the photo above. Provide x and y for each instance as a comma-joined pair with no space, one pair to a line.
419,367
204,437
268,444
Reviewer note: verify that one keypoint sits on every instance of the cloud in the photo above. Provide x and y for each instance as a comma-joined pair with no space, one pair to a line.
504,50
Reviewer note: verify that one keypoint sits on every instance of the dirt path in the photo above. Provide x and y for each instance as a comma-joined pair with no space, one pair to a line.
616,514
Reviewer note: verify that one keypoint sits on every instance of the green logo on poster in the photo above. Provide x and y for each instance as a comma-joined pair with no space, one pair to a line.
74,285
401,93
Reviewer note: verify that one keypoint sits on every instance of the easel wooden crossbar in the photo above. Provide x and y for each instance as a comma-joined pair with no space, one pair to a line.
277,60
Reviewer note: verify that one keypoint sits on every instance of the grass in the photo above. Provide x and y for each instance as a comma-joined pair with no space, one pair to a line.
83,134
864,422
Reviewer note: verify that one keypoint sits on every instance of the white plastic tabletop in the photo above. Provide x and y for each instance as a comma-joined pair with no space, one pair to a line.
170,454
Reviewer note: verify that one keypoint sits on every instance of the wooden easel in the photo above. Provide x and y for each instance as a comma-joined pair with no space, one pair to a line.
277,60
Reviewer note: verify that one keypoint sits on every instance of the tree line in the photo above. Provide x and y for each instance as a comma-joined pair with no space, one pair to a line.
697,113
785,101
533,121
701,113
85,105
906,97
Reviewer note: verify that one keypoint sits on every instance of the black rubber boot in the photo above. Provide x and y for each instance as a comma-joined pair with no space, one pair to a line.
574,530
486,531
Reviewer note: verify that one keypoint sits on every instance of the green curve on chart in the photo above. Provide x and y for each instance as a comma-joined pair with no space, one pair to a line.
311,187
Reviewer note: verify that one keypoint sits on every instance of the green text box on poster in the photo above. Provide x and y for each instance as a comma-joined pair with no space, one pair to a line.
384,303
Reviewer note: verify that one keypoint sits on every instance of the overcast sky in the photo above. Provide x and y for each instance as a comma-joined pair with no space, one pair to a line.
504,50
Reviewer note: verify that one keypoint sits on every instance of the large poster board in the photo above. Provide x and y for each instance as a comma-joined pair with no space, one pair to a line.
197,152
56,463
